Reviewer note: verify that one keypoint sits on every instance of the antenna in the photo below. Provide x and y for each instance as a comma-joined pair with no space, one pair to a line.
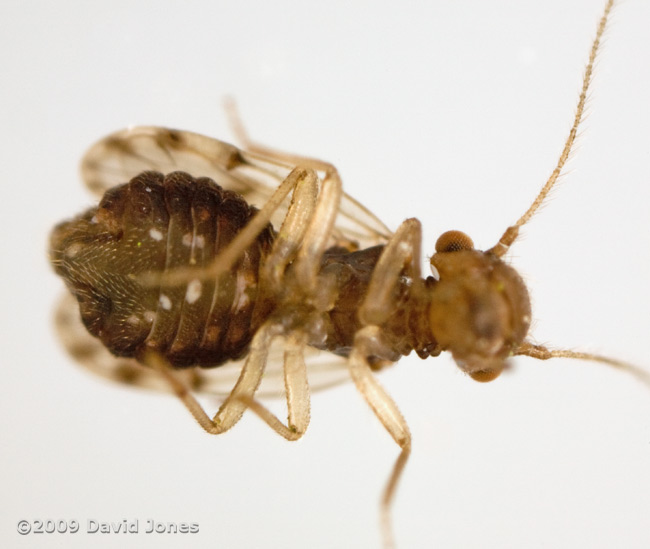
512,232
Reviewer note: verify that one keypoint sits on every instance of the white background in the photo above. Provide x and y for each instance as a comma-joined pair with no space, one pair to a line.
453,112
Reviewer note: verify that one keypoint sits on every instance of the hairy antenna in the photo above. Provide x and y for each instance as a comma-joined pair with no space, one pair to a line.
542,353
512,232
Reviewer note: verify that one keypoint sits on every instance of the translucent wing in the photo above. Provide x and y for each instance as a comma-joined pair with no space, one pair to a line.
122,155
325,370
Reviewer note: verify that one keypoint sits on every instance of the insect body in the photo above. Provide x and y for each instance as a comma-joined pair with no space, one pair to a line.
157,223
178,270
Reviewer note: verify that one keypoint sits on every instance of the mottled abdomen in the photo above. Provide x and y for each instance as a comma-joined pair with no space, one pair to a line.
152,224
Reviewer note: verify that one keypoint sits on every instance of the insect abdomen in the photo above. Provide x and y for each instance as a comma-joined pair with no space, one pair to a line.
152,224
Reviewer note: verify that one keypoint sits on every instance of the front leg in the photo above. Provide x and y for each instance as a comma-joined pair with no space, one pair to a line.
367,343
400,258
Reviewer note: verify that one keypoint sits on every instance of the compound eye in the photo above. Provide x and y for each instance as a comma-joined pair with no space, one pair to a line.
453,241
485,376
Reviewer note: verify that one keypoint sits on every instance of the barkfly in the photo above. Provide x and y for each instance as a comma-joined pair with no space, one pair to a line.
176,271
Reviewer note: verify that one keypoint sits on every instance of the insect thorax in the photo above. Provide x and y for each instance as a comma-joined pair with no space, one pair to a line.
406,328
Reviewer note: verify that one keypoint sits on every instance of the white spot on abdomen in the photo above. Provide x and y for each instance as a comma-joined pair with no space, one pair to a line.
73,249
241,296
155,234
149,316
133,320
165,302
193,291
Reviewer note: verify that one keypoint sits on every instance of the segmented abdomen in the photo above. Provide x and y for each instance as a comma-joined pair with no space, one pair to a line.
156,223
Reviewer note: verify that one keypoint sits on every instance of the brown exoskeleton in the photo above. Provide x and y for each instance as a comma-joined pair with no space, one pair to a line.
178,271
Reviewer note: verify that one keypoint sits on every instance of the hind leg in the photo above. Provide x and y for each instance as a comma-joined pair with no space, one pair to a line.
235,405
242,395
296,390
308,245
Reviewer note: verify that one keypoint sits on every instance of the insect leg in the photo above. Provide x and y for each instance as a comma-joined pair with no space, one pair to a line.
306,229
233,251
251,146
401,252
349,209
297,392
330,179
236,403
399,258
309,258
322,226
310,242
367,342
292,231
